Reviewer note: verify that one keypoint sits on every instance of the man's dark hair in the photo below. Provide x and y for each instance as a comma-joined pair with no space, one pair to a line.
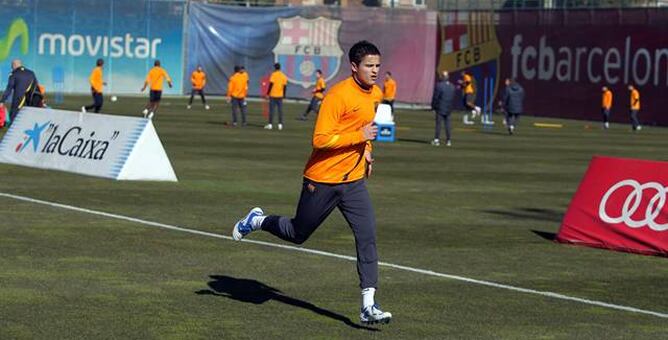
237,68
156,63
99,62
360,50
277,66
389,73
318,71
242,67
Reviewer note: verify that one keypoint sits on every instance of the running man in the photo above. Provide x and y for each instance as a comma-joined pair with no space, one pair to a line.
198,81
318,95
606,105
468,99
278,83
96,86
155,78
237,89
335,174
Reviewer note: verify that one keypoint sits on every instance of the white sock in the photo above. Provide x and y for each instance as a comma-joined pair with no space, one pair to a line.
368,297
256,222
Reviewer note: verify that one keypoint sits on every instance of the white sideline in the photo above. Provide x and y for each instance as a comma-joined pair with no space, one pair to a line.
344,257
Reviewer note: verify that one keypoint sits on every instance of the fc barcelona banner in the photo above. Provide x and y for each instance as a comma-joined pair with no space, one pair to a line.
305,39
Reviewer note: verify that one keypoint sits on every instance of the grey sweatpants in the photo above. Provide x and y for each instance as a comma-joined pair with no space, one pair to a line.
316,202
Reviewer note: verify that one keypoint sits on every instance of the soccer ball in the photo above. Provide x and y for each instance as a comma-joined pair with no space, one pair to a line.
114,98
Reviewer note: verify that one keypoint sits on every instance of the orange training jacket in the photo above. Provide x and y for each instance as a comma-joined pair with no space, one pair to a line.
338,142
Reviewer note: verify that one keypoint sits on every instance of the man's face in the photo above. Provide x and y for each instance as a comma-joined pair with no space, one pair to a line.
367,70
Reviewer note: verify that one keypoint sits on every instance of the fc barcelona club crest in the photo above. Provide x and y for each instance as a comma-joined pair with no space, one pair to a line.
469,42
306,45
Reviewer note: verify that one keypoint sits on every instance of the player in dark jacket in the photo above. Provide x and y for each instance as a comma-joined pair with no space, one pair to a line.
441,103
513,100
22,84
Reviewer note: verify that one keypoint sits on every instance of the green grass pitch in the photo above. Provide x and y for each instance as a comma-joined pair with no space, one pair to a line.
482,209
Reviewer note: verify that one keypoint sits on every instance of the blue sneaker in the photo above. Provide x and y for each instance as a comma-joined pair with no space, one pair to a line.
245,226
373,315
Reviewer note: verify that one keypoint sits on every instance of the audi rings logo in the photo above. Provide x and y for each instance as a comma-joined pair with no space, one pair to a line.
632,203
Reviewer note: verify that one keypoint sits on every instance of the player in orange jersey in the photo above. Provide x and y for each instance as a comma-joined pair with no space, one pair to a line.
634,96
318,95
606,105
155,78
198,82
278,83
96,86
335,174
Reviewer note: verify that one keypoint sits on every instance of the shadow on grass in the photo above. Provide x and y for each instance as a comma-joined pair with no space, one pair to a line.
530,214
546,235
252,291
417,141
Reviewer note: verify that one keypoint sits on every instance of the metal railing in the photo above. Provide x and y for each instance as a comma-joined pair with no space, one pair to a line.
456,5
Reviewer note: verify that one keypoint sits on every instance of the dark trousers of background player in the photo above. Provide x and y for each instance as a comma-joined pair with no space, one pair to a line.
316,202
98,100
313,106
634,119
192,96
275,104
238,104
606,115
442,119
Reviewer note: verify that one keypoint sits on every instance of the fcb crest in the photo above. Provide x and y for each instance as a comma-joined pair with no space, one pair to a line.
469,42
306,45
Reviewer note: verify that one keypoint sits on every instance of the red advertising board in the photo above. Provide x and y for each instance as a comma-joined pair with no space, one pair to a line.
621,205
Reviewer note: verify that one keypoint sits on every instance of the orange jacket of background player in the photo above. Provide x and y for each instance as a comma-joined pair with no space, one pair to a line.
198,79
635,99
278,82
155,78
237,87
319,91
468,84
95,79
390,89
606,101
338,141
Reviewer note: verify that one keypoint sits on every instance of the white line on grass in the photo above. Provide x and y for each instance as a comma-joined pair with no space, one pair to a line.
344,257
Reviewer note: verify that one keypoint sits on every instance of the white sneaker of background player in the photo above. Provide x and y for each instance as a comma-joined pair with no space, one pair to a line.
188,107
145,112
466,120
150,115
280,126
83,109
206,107
268,127
606,125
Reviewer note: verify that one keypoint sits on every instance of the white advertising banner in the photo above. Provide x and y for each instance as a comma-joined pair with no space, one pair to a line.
118,147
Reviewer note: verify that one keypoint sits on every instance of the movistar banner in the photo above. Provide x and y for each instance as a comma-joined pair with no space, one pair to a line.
92,144
61,40
304,39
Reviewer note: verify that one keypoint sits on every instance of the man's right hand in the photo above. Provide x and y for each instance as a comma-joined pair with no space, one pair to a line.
369,131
